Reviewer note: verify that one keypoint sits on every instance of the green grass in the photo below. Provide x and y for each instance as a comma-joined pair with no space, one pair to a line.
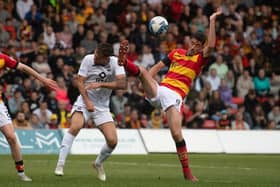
154,170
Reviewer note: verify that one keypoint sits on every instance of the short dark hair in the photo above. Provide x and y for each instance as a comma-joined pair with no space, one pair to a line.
199,36
105,49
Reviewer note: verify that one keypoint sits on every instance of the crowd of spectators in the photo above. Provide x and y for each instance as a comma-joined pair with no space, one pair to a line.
239,89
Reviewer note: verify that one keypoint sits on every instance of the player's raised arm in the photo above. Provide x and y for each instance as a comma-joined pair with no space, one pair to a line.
212,33
47,82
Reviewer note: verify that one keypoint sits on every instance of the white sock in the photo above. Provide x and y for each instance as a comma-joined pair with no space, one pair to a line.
66,145
103,155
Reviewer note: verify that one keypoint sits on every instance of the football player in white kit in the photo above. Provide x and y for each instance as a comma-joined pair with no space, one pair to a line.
6,126
98,75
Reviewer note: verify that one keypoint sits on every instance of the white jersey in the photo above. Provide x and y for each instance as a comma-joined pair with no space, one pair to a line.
98,73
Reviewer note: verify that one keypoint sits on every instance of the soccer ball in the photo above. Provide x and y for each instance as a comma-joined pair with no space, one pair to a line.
158,25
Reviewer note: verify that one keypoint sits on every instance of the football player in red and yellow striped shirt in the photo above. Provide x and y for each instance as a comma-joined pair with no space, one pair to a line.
184,66
6,126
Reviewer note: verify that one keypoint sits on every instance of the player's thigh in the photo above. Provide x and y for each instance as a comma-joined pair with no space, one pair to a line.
77,122
9,132
149,84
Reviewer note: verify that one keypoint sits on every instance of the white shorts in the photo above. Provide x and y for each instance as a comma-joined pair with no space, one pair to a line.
98,117
5,117
167,98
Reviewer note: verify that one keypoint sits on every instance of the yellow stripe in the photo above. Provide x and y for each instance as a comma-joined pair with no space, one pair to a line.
179,56
183,71
177,84
2,63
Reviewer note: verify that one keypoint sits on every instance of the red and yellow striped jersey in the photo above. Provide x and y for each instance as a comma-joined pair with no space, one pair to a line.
6,61
182,71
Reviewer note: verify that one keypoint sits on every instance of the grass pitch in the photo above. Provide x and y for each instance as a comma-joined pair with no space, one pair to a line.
154,170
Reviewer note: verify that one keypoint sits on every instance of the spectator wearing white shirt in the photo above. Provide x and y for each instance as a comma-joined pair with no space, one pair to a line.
213,79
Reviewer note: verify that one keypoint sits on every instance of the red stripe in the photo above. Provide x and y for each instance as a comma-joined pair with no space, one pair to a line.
185,79
178,90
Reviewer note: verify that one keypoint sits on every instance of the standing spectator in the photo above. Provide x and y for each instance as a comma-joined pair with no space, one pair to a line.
239,123
34,18
244,84
20,122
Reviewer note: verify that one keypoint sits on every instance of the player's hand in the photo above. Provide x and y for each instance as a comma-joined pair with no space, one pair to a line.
51,84
90,106
93,85
217,13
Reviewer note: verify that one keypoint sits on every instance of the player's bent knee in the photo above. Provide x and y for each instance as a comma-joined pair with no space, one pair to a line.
112,143
177,136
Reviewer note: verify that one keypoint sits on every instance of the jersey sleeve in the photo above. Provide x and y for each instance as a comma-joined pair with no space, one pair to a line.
83,71
8,61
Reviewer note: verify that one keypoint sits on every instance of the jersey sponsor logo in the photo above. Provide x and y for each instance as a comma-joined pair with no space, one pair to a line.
102,77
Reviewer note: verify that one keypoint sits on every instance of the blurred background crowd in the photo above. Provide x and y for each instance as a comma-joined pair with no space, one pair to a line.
239,89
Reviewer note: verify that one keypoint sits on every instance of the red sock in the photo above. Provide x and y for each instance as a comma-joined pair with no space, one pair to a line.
132,69
183,157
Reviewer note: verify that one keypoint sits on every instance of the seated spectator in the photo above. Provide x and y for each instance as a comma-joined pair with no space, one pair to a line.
244,84
53,124
145,123
49,37
41,65
24,107
61,92
246,115
118,101
213,79
14,103
224,122
262,84
134,122
216,105
275,83
274,116
259,118
89,43
197,117
35,122
43,113
20,122
226,94
239,123
250,101
220,66
156,119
